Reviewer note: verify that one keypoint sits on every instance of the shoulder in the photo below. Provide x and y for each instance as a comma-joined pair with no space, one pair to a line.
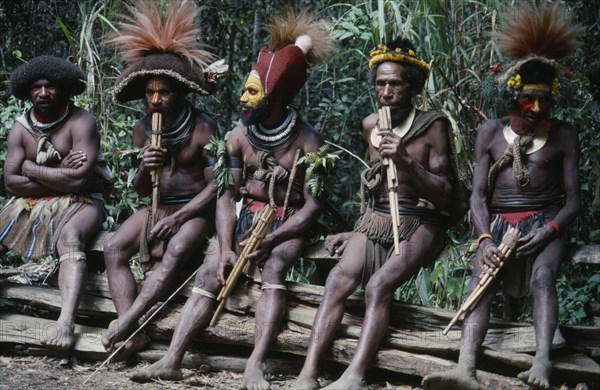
564,129
83,116
309,138
369,122
236,140
490,128
204,120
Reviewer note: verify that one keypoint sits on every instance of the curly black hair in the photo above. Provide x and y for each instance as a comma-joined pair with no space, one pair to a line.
67,77
413,75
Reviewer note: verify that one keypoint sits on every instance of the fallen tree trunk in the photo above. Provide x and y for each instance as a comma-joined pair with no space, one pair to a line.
405,350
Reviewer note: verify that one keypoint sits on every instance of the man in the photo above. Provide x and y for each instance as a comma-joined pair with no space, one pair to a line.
265,143
51,172
185,215
420,150
527,177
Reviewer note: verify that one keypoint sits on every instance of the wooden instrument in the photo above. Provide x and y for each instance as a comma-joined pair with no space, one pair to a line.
385,122
507,247
259,231
155,174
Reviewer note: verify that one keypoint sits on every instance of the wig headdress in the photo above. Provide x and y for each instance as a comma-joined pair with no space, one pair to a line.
534,39
167,46
297,41
67,76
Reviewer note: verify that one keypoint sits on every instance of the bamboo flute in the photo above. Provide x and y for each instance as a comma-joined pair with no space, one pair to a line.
259,231
385,122
506,247
155,174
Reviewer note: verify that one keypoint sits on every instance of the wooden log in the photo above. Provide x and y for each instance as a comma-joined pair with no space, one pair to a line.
586,254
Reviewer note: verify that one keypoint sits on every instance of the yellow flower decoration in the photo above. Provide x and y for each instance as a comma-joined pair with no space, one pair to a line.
515,82
382,53
555,86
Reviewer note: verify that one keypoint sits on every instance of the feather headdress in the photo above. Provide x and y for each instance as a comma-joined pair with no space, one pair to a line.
157,45
296,42
533,39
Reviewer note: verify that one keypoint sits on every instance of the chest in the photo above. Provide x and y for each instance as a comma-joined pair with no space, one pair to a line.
60,139
549,154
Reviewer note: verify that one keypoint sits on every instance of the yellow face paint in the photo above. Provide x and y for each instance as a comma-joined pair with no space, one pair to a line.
155,96
254,92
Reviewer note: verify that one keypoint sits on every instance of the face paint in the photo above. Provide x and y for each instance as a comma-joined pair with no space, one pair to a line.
155,95
536,102
254,92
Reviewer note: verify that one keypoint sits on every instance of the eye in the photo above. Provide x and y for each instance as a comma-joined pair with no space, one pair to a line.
252,92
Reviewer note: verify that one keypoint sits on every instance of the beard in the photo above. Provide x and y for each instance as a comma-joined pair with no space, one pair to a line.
257,114
399,114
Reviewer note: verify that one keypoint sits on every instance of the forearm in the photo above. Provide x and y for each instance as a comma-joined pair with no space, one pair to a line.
435,188
19,185
142,182
58,179
297,225
225,222
480,215
199,204
567,213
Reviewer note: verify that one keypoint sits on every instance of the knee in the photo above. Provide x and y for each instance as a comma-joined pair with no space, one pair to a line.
378,289
339,282
543,278
176,250
111,250
274,270
69,241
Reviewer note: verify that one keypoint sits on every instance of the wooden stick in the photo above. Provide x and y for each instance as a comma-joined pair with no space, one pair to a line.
290,182
259,231
506,247
385,122
155,174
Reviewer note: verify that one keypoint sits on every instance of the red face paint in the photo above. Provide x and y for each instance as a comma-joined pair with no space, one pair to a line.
534,105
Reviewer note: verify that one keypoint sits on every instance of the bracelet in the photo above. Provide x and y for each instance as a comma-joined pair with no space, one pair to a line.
483,237
554,226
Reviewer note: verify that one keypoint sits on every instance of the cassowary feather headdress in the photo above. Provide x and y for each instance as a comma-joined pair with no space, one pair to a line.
533,40
167,46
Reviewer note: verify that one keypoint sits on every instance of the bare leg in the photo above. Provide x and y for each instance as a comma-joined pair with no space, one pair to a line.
72,273
194,317
545,312
473,333
269,312
423,247
341,282
160,281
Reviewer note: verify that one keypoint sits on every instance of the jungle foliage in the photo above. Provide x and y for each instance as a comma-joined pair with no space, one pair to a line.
452,34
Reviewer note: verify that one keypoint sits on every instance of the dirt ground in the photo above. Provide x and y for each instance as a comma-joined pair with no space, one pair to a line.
44,372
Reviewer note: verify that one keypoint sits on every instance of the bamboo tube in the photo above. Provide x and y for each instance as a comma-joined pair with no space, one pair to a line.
259,231
155,174
385,122
506,247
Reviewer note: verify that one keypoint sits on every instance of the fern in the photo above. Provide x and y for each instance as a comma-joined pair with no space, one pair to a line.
217,147
318,165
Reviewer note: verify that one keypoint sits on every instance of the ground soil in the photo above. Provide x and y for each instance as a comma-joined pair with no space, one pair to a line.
44,372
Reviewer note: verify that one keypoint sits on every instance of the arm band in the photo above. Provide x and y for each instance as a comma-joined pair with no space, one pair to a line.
483,237
554,226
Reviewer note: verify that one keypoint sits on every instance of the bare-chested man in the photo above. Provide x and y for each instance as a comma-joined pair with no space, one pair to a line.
526,176
418,146
261,149
50,170
187,190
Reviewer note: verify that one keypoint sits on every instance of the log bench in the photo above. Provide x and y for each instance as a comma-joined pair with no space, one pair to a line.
414,344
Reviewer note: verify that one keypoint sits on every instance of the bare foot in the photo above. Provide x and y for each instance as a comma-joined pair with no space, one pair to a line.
457,378
116,332
348,382
125,349
162,369
254,378
305,383
538,376
59,336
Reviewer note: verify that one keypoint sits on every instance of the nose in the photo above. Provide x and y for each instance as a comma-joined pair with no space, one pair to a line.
244,98
43,91
155,98
536,106
387,90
